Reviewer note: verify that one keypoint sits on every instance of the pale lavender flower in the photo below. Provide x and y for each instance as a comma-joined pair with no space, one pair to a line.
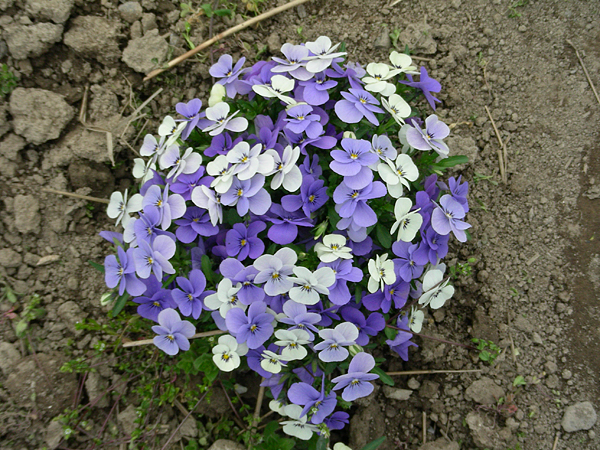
358,103
324,54
275,270
191,111
228,73
154,258
431,137
170,206
248,195
356,382
447,217
335,340
218,120
173,333
121,272
187,164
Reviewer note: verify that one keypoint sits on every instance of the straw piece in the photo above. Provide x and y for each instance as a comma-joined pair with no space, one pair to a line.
587,75
72,194
150,341
427,372
223,35
501,149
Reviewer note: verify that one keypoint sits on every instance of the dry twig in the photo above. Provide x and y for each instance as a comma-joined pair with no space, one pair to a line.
223,35
587,75
428,372
79,196
424,427
501,150
556,441
150,341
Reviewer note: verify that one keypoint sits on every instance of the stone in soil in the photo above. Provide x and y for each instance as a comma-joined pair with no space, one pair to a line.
96,387
9,259
9,357
141,52
396,394
440,444
484,391
418,38
58,11
27,41
53,434
225,444
27,214
131,11
580,416
11,146
36,382
39,115
95,37
126,419
486,433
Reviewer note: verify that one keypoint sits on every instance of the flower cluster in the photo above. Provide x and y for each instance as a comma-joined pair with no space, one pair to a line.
302,211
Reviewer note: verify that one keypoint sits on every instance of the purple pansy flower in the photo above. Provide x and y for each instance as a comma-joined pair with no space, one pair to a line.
402,341
121,272
275,270
313,195
300,318
248,195
435,245
447,217
358,103
305,395
186,183
459,191
190,294
302,121
369,326
315,90
154,258
195,222
356,381
173,333
170,206
155,300
337,421
353,202
254,329
311,168
339,294
426,84
411,260
285,224
234,270
431,137
335,340
243,242
191,111
228,73
353,162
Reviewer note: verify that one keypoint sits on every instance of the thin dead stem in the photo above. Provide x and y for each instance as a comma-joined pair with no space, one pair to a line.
428,372
587,75
501,150
223,35
150,341
79,196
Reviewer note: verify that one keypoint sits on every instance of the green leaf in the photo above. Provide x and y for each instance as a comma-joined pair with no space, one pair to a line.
98,267
223,12
21,327
206,266
374,444
206,365
384,377
390,333
207,10
519,381
452,161
120,304
383,235
322,443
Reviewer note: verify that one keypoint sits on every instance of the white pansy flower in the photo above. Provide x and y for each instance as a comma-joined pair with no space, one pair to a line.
225,298
340,446
217,94
323,52
271,361
151,146
210,200
332,248
397,107
376,81
247,161
402,63
382,272
220,120
311,284
298,427
285,169
142,170
119,207
226,354
223,173
279,85
292,341
435,291
415,320
190,162
169,131
407,222
398,173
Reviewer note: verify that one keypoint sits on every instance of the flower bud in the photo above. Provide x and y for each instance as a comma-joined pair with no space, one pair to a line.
320,229
107,298
349,134
217,93
355,349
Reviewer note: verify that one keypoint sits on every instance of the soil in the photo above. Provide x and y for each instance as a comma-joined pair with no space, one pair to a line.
534,288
